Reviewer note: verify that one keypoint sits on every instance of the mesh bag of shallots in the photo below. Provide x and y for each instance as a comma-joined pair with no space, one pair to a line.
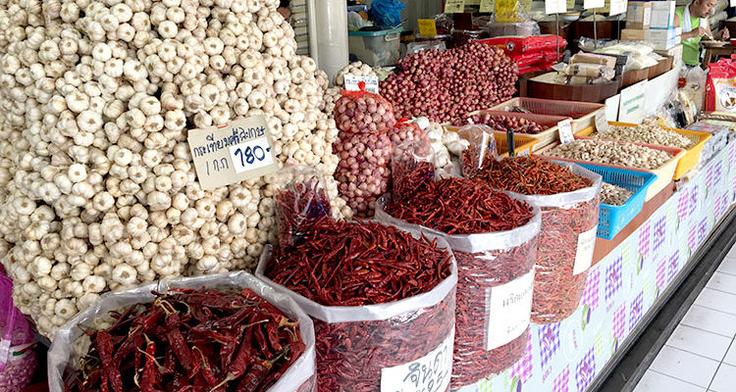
374,340
218,332
494,295
566,244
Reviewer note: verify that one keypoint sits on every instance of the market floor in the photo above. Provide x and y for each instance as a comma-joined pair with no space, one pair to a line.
700,355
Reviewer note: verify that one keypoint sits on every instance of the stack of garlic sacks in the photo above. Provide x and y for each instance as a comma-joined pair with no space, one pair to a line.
98,187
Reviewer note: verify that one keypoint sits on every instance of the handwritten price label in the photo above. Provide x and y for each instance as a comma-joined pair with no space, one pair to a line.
555,6
427,27
430,373
584,254
588,4
601,122
454,6
487,6
352,83
564,127
508,310
231,153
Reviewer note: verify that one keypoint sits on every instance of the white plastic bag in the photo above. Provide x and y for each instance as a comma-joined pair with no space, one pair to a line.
67,347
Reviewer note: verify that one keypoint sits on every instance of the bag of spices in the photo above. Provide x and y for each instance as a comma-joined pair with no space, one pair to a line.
494,293
412,166
230,330
406,130
18,359
383,304
568,197
301,198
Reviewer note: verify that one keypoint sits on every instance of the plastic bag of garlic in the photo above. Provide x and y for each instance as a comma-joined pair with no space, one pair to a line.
97,184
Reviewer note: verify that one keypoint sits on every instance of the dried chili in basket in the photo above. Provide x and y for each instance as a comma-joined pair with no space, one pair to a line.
358,264
167,346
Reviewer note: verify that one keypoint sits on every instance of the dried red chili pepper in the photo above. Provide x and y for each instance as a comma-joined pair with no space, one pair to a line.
299,202
358,264
181,352
532,176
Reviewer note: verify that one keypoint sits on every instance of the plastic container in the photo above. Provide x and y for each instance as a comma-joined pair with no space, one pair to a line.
376,48
494,294
690,158
17,360
68,344
612,219
545,138
582,113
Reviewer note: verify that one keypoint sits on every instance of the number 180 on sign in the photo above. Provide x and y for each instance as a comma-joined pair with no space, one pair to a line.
251,155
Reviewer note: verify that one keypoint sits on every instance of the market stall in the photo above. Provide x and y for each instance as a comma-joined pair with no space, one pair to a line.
187,204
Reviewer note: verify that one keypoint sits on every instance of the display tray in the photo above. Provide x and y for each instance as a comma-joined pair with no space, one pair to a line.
662,66
523,144
635,76
582,113
664,174
612,219
688,161
540,85
548,136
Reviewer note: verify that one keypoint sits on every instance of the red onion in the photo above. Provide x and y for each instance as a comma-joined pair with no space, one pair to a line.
445,86
362,112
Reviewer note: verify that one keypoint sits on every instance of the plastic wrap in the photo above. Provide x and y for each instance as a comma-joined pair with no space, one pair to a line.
494,295
566,244
405,130
593,71
363,173
481,150
388,346
592,58
69,344
386,13
18,360
412,166
495,29
301,198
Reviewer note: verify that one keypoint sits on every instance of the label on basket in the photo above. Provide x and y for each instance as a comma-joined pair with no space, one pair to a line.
427,27
454,6
233,152
487,6
601,122
564,127
584,255
508,310
352,83
430,373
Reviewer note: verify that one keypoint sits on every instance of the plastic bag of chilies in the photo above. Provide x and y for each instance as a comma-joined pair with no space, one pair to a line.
69,344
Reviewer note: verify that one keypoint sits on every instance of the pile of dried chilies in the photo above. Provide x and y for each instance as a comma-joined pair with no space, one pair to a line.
494,239
191,340
364,268
299,202
568,197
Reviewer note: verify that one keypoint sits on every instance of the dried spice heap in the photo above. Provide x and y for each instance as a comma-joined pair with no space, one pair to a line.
364,263
192,340
506,123
532,176
461,206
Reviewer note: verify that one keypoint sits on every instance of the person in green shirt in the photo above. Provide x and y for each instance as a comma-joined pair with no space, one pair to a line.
692,19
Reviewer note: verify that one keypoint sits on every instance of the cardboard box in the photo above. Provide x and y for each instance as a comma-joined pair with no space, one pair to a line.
662,15
638,15
674,52
662,39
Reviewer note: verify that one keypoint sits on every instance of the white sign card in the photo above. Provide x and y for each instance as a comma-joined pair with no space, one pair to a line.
555,6
508,310
352,83
588,4
430,373
633,103
618,7
237,151
601,122
584,254
564,127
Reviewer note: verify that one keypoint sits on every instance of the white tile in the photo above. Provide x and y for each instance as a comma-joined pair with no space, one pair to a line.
731,355
657,382
697,341
728,265
710,320
725,380
723,282
685,366
717,300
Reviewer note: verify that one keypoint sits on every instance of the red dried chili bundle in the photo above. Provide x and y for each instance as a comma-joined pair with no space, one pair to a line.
412,167
355,264
198,340
505,123
461,206
359,263
532,176
557,290
297,207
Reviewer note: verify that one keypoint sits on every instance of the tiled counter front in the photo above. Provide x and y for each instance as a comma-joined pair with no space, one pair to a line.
566,357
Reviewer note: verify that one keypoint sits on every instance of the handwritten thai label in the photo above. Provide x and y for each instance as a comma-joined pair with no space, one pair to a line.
234,152
508,310
618,7
427,27
564,127
588,4
352,83
555,6
454,6
584,254
601,122
430,373
487,6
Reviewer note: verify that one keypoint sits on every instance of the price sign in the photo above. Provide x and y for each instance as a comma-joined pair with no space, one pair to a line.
618,7
555,6
488,6
588,4
601,122
564,127
430,373
231,153
352,83
584,254
427,27
454,6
